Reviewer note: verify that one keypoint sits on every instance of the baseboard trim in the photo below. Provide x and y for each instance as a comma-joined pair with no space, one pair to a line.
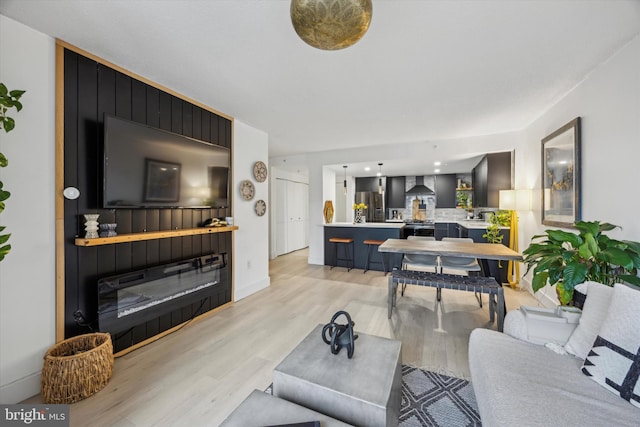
315,260
20,389
245,291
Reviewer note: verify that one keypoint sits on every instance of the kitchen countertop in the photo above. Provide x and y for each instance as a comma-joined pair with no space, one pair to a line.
367,224
475,224
469,224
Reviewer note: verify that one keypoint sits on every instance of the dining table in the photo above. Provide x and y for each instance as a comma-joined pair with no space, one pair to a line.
481,251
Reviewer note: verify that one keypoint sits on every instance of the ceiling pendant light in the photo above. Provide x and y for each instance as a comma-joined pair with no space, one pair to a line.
345,180
380,179
331,24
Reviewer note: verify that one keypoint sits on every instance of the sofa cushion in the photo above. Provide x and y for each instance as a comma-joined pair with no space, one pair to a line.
518,383
593,314
614,360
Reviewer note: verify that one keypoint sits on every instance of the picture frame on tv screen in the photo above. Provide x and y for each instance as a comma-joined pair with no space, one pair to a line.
162,183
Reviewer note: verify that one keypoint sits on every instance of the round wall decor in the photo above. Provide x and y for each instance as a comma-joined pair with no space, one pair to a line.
260,171
261,207
247,190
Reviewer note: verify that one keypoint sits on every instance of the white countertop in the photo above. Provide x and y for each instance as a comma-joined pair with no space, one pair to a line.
469,224
475,224
367,224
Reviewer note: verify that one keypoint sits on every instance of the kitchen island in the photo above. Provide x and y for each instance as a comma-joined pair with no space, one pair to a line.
359,233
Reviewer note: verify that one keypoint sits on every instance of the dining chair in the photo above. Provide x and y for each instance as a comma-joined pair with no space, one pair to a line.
419,262
468,265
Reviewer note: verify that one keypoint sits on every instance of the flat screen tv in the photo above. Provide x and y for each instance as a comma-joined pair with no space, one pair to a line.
146,167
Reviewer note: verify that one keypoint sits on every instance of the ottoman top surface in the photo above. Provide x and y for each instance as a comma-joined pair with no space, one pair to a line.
368,373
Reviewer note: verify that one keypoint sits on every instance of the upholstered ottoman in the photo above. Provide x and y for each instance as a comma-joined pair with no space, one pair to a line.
260,409
364,391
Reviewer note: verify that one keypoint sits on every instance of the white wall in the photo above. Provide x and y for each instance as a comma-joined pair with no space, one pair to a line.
608,101
251,241
27,274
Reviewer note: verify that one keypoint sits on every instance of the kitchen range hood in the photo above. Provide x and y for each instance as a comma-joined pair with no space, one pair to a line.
420,188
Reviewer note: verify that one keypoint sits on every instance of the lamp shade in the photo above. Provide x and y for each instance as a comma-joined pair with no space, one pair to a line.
515,200
331,24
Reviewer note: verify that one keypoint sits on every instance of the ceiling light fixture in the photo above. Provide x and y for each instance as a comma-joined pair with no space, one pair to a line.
331,24
380,179
345,180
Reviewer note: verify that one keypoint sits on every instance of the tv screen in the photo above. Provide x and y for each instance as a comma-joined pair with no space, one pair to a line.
146,167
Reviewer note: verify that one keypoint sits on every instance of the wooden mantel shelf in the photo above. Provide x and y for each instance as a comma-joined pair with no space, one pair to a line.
151,235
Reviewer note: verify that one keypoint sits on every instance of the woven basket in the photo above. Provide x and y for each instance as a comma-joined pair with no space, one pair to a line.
76,368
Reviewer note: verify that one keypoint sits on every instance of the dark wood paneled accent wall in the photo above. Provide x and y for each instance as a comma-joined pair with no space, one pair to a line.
92,89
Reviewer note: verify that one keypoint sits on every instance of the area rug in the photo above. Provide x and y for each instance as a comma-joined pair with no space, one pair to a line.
430,399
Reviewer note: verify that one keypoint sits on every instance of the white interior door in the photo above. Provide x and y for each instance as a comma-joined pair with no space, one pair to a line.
282,220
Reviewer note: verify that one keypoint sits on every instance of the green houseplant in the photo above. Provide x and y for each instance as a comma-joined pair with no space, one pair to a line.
566,259
8,100
498,219
493,235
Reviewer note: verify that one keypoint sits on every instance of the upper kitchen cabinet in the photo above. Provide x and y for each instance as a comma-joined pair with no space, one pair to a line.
491,174
445,191
369,184
395,198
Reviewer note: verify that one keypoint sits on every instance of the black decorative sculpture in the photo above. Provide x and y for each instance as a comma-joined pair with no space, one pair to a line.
340,335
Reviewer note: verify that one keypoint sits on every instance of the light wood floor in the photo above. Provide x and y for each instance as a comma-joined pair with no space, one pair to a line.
198,375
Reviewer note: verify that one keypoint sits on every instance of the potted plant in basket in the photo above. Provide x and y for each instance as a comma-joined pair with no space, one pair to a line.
566,259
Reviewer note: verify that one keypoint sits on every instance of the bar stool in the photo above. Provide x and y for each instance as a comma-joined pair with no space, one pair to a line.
344,242
374,243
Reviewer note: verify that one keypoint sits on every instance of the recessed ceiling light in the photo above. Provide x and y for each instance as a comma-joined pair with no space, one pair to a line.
436,163
437,171
367,168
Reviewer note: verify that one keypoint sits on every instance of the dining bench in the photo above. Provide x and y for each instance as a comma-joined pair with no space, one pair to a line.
480,284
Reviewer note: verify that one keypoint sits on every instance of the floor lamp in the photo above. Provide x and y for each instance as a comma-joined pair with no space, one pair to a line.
514,201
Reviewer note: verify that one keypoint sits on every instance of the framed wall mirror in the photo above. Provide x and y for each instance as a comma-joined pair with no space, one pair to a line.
561,176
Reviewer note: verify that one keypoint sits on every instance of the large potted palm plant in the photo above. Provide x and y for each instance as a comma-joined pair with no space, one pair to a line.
565,259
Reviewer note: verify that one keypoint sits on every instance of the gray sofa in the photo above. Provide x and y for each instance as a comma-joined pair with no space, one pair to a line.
518,383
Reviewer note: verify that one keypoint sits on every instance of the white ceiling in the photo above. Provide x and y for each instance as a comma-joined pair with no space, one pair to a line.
425,70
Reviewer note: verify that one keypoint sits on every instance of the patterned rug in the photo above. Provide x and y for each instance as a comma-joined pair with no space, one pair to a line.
430,399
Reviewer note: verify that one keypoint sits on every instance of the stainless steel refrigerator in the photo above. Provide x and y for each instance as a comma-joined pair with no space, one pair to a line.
375,205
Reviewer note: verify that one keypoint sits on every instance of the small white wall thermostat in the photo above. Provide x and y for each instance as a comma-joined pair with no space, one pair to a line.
71,193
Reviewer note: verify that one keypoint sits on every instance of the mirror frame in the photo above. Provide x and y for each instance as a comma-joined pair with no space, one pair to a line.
561,183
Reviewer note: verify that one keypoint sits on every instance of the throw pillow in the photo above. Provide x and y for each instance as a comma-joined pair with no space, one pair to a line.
593,314
614,360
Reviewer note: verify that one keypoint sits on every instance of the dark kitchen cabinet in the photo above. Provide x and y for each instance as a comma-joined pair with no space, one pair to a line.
441,230
491,174
395,198
369,184
446,191
446,229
